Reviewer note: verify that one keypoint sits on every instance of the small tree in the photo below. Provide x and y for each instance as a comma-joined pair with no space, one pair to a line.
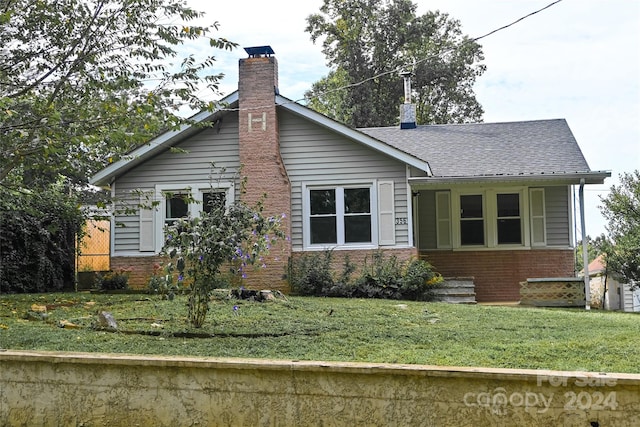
200,247
621,208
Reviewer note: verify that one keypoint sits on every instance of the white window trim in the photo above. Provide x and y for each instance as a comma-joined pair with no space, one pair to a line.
306,215
490,216
195,209
455,216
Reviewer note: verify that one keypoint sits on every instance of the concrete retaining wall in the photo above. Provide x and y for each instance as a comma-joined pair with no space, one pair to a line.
71,389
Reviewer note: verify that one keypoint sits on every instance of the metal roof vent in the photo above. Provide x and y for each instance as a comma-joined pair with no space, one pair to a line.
408,109
259,51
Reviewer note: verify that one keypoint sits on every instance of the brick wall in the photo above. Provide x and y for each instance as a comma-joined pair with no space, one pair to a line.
362,257
497,274
140,269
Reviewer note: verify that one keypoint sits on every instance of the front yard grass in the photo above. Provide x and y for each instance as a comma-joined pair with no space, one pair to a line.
305,328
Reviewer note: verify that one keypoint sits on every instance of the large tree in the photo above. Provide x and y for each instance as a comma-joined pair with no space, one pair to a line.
367,44
82,81
621,208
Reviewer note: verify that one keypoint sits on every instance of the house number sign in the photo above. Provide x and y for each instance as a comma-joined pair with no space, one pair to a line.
401,221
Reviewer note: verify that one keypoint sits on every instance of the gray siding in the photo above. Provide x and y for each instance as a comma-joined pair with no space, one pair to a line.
313,154
217,145
557,216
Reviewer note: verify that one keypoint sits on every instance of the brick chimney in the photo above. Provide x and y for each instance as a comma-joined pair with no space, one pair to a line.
260,157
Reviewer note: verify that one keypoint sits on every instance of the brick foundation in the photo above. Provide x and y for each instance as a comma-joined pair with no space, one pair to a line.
497,274
140,269
360,257
272,277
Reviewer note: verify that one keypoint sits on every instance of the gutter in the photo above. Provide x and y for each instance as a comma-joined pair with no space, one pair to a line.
585,250
571,178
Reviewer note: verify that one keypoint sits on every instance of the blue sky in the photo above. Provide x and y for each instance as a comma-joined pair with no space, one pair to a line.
578,60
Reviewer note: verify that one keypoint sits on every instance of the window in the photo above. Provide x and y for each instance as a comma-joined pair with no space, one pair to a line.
357,215
490,217
324,218
509,223
471,220
340,216
212,200
176,206
180,201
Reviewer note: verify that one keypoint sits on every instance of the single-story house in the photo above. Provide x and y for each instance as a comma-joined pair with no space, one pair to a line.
488,200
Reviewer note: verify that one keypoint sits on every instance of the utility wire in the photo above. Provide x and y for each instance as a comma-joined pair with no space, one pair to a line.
398,69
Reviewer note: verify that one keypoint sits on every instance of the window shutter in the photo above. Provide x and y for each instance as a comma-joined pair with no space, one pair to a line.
147,228
538,220
443,219
386,214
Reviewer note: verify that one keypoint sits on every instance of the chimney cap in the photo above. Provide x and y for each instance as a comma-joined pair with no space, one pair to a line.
258,51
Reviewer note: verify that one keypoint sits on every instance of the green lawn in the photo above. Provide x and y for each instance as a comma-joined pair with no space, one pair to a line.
331,329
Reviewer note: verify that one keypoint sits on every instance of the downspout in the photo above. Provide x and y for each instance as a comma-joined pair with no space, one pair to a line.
585,250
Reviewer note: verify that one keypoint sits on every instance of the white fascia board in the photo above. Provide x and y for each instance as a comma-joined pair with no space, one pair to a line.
569,178
159,143
352,134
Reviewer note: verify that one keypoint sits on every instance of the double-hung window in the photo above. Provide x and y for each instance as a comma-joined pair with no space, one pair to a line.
509,220
176,206
472,229
340,215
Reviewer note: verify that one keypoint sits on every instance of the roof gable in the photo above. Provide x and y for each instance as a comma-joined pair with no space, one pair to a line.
158,144
354,134
170,138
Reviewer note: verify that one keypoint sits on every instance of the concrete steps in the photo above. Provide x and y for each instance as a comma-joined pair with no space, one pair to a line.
456,290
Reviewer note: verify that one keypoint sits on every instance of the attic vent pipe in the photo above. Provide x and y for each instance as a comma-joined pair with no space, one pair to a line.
406,75
407,110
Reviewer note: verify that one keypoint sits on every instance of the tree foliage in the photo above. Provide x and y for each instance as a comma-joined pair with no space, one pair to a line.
595,247
368,42
38,240
82,81
621,208
199,247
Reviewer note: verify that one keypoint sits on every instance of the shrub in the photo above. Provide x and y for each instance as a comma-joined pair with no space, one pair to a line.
199,247
113,280
380,277
162,282
419,280
311,274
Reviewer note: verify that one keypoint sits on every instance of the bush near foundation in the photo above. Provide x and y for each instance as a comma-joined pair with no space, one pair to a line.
380,277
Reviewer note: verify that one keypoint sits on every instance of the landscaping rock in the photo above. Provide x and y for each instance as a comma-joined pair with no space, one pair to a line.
107,320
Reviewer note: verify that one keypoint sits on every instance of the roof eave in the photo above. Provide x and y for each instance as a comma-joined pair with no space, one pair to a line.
571,178
156,145
353,134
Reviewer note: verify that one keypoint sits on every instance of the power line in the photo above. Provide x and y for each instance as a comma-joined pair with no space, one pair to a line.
398,69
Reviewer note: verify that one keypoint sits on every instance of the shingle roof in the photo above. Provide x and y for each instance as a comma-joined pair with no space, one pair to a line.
489,149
